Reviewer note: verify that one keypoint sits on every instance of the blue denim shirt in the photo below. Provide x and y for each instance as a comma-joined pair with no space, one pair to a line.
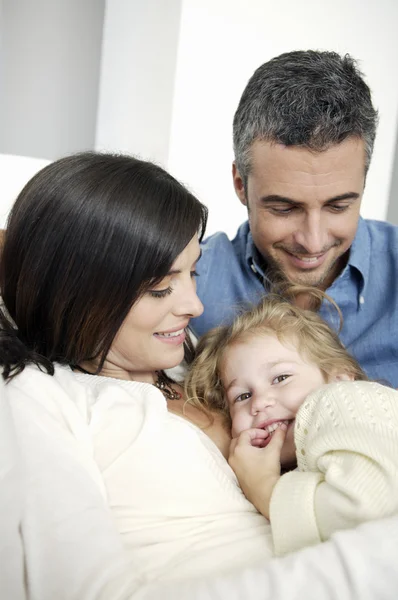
366,292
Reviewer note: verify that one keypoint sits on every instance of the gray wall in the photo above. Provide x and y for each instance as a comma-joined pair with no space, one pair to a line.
50,53
392,213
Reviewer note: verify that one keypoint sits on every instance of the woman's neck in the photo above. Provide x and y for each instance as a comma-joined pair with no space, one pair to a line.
117,372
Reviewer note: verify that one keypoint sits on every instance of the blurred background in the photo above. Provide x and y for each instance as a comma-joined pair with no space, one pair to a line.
161,79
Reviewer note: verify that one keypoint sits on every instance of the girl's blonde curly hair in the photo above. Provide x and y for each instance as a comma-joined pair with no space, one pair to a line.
277,314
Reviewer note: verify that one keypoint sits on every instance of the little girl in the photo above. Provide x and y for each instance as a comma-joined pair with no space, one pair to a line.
292,393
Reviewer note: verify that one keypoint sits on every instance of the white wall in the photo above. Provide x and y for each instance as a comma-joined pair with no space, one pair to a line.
223,41
139,57
15,172
173,73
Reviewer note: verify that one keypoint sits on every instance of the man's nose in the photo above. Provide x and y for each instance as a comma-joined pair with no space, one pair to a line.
312,234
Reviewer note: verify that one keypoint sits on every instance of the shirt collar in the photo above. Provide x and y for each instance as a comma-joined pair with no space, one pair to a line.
254,260
251,250
359,259
360,251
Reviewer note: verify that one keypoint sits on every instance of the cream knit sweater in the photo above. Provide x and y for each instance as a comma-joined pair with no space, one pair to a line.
96,447
346,437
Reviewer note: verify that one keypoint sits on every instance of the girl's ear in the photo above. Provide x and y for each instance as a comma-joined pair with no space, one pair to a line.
340,377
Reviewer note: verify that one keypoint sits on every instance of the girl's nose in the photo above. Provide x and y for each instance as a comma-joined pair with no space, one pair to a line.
261,402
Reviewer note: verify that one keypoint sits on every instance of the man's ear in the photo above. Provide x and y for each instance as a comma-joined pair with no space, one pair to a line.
238,185
340,377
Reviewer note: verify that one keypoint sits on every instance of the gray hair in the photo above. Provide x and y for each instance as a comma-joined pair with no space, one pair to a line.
307,98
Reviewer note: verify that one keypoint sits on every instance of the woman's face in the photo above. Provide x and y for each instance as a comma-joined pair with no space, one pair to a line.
152,336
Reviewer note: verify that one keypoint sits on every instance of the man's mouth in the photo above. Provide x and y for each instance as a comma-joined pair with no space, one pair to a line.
306,262
309,259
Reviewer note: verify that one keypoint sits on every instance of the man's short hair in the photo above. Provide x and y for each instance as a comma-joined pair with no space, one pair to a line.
307,98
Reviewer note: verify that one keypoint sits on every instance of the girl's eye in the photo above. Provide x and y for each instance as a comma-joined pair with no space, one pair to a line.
194,274
243,397
160,293
280,378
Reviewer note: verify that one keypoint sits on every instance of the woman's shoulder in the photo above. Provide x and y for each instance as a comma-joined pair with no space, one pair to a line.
38,383
71,396
47,398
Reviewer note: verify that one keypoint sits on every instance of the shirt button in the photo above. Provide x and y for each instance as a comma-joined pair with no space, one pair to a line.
361,300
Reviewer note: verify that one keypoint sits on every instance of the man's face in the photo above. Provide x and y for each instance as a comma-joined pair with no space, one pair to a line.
304,207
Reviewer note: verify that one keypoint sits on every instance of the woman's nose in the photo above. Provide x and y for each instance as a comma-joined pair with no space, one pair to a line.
190,304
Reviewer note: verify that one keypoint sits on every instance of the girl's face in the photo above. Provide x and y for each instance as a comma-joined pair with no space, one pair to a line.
152,336
266,381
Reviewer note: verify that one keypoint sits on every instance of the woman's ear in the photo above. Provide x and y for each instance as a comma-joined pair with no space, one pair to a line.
340,377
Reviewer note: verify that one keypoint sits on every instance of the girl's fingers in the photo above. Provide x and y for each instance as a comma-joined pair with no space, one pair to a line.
249,437
252,437
256,437
258,442
278,438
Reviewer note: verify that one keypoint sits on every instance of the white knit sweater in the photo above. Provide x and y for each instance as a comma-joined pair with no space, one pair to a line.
174,499
346,437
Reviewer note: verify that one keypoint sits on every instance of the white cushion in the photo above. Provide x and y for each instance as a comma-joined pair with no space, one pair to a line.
15,172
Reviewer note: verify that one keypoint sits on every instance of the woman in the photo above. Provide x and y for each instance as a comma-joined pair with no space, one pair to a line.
88,238
98,282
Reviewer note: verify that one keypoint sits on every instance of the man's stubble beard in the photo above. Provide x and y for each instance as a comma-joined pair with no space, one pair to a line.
276,275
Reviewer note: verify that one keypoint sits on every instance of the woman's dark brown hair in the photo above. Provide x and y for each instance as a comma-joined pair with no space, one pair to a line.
85,238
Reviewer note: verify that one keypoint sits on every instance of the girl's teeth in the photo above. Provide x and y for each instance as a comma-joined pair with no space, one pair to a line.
271,428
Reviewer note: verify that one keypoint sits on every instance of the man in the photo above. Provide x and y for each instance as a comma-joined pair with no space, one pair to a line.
303,139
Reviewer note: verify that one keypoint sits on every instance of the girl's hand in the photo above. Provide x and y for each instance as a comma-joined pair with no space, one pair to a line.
257,469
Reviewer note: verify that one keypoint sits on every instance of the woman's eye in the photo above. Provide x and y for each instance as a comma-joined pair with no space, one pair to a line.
194,274
243,397
160,293
280,378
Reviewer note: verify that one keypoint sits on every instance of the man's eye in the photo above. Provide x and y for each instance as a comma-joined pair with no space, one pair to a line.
282,211
243,397
280,378
338,207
